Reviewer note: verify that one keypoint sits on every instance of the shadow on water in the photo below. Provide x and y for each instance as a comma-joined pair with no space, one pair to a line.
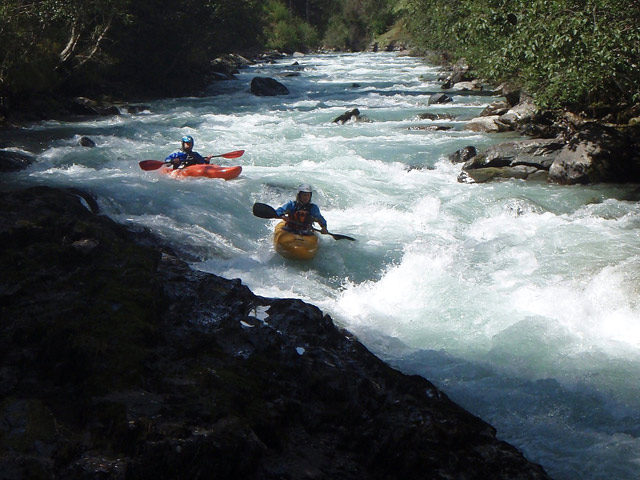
570,418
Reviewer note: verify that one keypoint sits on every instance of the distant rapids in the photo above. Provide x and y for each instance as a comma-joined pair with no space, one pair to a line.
519,300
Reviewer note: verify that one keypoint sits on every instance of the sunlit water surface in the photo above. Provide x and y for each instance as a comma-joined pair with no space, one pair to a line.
519,300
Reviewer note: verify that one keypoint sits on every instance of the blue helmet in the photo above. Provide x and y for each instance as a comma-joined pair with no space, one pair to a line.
187,139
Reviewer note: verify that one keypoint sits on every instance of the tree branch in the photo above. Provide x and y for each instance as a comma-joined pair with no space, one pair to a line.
71,44
97,43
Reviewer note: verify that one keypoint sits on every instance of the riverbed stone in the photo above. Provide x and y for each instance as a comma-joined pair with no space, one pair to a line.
499,107
536,152
597,153
482,175
487,124
266,86
528,159
463,155
438,98
11,161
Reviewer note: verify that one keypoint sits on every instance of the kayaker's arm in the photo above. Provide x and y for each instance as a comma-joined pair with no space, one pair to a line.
323,227
284,210
175,159
319,219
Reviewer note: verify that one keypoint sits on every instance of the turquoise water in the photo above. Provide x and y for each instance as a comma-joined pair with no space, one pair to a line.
519,300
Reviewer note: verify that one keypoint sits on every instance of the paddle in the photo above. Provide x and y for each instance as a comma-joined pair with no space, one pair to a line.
262,210
156,164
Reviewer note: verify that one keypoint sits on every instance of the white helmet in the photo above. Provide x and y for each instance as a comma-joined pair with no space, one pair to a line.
304,188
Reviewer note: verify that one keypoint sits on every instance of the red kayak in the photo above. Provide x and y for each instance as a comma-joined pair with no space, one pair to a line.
209,171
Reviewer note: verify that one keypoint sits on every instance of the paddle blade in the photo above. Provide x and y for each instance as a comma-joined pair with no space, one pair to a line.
150,164
263,210
337,236
236,154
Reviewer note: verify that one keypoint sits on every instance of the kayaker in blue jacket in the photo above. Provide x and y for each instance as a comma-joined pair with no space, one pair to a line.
301,213
186,156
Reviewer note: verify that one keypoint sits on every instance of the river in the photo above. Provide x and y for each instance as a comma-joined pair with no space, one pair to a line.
519,300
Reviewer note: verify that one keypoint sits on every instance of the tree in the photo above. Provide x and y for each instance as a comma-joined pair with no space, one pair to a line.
577,53
44,43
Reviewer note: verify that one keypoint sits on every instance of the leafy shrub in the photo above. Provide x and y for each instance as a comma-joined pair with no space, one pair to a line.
285,31
565,52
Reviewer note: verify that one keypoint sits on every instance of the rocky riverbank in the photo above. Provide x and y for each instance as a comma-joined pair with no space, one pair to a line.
118,361
558,146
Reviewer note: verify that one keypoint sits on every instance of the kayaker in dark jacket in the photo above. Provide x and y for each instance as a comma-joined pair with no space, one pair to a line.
301,213
186,156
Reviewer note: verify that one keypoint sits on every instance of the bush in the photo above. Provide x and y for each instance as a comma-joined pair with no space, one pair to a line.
287,32
565,52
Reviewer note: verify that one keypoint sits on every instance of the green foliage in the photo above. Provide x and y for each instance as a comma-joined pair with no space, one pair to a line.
337,34
287,32
566,52
59,48
355,23
129,46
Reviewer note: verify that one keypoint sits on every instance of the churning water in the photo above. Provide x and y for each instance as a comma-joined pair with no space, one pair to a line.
519,300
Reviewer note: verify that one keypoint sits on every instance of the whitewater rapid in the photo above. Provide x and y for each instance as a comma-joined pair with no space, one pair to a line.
519,300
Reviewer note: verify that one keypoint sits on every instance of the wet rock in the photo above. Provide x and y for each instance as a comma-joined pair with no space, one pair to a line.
346,116
538,153
499,107
265,86
463,155
459,73
521,172
15,161
430,128
597,153
470,86
86,142
524,159
487,124
87,106
499,117
227,66
437,98
435,116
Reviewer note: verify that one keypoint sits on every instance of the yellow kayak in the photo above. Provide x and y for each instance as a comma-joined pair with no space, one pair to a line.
294,246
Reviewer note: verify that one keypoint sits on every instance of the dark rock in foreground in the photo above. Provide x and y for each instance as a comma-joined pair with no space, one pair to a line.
118,361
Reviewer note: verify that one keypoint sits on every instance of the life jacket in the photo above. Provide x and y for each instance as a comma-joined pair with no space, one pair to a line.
190,159
301,214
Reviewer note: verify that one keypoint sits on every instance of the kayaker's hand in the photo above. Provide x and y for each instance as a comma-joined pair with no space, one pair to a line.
323,230
207,159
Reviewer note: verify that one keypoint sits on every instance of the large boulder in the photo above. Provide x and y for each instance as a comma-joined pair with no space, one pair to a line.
348,115
597,153
463,155
459,73
11,161
87,106
487,124
500,117
437,98
267,87
227,66
524,159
